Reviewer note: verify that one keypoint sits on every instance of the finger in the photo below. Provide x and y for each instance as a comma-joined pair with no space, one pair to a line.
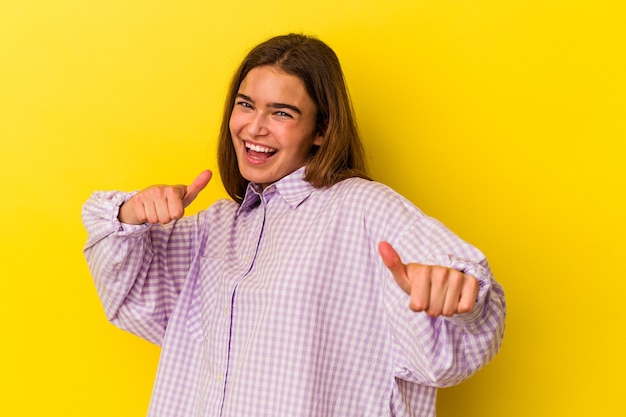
455,284
196,186
421,286
175,209
438,288
421,282
161,208
469,294
392,261
151,212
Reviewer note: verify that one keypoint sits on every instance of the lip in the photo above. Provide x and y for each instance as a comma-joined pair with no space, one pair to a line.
259,148
251,159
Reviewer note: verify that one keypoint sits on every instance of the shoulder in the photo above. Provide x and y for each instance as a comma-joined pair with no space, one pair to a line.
380,208
372,195
366,190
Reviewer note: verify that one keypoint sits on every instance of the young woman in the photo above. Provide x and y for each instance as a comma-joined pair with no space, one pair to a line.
293,298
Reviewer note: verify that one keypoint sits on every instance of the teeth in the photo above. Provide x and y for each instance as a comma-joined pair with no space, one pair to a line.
258,148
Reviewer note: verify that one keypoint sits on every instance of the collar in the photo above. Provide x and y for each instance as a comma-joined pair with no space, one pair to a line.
292,188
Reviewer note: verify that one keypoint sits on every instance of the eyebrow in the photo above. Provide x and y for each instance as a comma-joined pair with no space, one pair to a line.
273,105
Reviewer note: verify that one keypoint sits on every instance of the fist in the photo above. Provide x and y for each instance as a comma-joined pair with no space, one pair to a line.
436,290
162,203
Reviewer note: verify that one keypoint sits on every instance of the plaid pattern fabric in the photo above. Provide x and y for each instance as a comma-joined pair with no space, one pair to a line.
282,306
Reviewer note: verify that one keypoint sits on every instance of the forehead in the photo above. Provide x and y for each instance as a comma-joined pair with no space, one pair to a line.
270,84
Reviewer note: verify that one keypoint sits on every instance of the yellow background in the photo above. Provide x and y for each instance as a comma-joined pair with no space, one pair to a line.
504,119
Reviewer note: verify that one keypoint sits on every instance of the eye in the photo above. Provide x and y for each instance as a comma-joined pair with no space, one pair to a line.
283,114
243,104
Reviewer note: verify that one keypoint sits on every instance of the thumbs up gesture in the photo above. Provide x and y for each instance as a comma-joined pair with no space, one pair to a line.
436,290
162,203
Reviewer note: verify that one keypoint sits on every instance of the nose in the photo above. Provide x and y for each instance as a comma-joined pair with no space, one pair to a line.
257,124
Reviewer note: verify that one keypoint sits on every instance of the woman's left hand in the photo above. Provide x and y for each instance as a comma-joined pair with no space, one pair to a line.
436,290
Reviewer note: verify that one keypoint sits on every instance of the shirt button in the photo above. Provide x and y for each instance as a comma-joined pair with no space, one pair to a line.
226,311
248,259
219,377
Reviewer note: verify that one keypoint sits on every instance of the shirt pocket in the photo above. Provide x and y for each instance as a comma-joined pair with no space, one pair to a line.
204,301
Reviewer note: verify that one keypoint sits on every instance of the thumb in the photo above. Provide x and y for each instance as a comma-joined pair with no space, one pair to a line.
196,186
392,261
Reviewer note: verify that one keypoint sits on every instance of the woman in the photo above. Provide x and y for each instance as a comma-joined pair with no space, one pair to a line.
291,299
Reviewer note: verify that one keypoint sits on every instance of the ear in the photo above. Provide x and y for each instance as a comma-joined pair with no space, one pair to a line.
318,139
319,134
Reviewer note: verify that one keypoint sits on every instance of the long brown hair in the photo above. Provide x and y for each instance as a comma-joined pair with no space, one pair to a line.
341,154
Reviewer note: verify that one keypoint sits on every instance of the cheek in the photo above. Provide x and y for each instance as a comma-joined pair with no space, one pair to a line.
232,123
235,122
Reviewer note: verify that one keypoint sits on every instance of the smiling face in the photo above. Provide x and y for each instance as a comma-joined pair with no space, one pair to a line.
272,125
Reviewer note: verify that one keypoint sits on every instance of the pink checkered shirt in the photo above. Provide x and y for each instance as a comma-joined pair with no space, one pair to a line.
283,307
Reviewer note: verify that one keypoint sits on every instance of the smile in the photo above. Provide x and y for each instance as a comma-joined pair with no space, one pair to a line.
259,152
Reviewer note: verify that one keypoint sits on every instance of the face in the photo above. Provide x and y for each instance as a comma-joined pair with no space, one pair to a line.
272,125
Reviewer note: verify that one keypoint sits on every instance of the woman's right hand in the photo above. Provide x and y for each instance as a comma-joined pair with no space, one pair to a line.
162,203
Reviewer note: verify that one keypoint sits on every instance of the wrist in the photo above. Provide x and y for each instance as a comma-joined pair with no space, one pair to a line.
126,214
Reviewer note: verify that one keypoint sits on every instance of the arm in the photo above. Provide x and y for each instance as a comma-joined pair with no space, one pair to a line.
139,269
450,321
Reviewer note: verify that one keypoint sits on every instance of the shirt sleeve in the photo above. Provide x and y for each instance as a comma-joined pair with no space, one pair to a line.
138,270
442,351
